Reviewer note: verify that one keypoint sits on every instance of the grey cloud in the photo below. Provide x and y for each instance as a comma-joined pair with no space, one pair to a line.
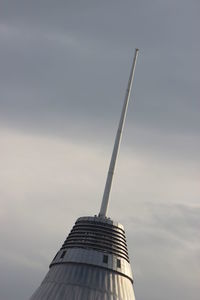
64,71
42,64
167,243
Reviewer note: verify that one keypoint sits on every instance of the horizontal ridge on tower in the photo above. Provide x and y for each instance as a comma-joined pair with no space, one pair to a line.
97,235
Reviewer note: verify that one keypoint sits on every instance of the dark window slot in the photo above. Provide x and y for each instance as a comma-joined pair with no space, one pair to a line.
63,254
105,259
118,263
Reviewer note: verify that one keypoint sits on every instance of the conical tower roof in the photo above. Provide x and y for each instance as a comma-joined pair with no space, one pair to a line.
93,262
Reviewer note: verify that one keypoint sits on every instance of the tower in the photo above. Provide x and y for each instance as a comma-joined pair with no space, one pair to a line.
93,262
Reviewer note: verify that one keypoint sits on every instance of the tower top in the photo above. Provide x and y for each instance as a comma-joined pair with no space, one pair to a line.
105,200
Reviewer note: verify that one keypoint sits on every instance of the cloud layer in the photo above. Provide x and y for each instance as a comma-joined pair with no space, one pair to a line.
64,71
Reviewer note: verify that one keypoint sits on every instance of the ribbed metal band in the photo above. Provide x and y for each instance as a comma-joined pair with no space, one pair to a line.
94,233
83,282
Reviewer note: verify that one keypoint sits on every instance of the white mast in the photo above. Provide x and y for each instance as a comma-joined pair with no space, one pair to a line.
104,204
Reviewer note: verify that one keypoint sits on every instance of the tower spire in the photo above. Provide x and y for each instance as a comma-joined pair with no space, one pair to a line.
104,204
96,247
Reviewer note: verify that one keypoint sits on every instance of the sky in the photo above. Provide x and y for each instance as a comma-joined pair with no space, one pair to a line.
64,71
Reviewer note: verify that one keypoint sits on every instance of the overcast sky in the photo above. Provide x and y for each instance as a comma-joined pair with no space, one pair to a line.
64,67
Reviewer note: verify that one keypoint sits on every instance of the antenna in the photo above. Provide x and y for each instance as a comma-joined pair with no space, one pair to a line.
104,204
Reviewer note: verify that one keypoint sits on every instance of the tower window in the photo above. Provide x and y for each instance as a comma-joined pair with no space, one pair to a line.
63,254
55,256
118,263
105,259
